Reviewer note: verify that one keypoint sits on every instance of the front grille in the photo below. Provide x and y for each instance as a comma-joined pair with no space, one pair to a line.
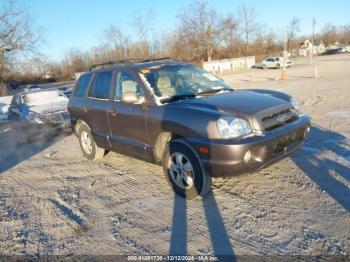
279,119
57,117
65,115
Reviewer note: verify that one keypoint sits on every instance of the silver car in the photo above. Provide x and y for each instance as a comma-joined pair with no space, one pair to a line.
276,62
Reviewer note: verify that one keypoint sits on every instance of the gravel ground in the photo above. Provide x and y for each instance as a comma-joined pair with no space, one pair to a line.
55,202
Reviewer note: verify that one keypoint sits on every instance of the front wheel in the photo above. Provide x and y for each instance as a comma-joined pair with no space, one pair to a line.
184,170
88,145
278,66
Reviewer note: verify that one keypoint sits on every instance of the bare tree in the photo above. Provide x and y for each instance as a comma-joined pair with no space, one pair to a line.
292,29
18,33
117,41
199,29
248,24
344,34
329,34
230,29
142,24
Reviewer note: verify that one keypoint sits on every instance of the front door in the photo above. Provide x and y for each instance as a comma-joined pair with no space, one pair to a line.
127,121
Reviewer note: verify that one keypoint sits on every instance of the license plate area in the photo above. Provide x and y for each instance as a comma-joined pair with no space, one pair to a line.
282,143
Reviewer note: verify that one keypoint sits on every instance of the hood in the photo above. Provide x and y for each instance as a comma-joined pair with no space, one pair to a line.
51,108
239,102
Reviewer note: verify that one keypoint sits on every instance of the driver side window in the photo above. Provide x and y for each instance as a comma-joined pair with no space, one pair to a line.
126,84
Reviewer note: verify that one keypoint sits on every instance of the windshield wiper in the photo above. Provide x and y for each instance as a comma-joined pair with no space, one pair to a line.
213,91
177,97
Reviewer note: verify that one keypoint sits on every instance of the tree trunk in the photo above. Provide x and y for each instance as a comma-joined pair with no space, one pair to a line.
3,90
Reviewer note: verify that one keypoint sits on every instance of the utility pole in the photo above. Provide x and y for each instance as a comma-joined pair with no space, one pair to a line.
283,74
312,40
285,40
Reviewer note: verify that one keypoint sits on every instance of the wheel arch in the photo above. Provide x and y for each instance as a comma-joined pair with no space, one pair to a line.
78,124
161,141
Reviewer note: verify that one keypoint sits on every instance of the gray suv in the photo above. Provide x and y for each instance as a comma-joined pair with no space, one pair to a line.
179,116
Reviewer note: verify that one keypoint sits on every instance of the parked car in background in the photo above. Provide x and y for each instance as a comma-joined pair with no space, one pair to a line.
275,62
332,51
67,91
36,109
12,85
31,88
182,117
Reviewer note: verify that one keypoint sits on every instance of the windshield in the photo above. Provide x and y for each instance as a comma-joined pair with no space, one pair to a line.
181,80
43,98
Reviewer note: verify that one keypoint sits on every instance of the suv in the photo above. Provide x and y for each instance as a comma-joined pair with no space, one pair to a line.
178,115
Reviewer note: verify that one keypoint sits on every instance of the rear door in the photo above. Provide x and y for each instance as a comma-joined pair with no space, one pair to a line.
78,99
128,126
270,62
96,106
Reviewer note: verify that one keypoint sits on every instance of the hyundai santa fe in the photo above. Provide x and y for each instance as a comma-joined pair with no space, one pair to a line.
180,116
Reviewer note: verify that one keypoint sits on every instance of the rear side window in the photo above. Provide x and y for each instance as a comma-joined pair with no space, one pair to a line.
82,84
101,85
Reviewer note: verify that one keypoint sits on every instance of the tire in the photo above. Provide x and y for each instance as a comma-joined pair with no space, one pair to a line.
179,156
278,66
264,67
88,145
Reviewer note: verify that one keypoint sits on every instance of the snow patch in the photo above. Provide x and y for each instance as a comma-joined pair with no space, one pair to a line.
5,102
44,98
5,130
343,113
50,108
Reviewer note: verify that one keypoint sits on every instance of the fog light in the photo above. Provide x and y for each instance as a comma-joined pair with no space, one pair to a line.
247,156
307,131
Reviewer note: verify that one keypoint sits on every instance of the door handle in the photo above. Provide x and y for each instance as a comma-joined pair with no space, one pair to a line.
85,109
114,113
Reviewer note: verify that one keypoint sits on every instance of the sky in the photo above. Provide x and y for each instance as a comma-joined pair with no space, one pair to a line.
80,23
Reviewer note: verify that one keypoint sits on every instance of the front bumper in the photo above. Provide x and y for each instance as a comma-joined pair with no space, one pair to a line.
226,157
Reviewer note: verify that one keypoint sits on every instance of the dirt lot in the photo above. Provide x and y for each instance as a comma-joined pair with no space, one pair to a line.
53,201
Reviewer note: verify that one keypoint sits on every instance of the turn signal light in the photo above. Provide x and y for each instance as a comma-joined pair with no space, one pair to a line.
203,150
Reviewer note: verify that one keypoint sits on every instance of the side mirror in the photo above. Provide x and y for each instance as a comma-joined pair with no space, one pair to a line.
14,109
132,98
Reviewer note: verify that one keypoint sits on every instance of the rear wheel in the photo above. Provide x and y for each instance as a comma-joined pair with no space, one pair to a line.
278,66
88,145
264,67
184,170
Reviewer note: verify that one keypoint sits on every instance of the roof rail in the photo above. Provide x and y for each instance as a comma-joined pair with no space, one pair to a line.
127,61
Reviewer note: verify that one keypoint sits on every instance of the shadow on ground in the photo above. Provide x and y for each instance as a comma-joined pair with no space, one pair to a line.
16,145
321,169
218,234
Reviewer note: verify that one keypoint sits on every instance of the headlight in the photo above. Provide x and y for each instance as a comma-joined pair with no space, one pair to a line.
231,127
34,118
294,103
